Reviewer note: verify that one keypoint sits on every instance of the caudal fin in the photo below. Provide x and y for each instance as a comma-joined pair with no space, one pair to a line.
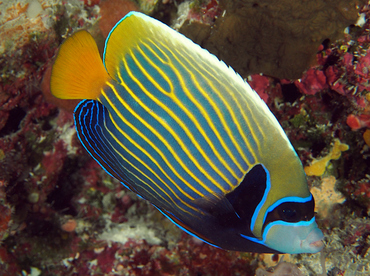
78,71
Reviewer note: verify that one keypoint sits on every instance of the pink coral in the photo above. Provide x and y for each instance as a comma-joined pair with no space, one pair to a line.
206,12
260,84
362,67
312,82
356,122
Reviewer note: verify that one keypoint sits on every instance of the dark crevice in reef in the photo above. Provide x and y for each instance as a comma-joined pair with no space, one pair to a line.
13,122
68,185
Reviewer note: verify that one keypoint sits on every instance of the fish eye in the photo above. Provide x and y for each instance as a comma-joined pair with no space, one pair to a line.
289,214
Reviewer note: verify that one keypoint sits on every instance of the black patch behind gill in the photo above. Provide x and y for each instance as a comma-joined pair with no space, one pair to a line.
246,197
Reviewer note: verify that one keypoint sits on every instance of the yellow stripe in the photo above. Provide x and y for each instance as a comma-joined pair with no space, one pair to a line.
138,178
145,152
189,133
193,119
205,114
149,185
160,137
232,94
149,142
163,75
178,138
220,116
226,102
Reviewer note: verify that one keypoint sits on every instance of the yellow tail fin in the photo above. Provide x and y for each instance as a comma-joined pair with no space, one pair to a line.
78,71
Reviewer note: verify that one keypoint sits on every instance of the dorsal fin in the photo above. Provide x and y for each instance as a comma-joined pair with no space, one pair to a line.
126,35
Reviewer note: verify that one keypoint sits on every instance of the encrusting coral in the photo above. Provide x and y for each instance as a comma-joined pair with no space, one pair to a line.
276,38
318,166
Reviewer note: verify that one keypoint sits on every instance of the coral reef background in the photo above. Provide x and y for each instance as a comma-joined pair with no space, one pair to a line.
61,214
276,38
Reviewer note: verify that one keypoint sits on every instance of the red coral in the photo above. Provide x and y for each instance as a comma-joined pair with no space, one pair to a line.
334,81
112,11
260,84
206,12
107,259
356,122
363,189
8,263
5,221
312,82
362,67
91,3
53,161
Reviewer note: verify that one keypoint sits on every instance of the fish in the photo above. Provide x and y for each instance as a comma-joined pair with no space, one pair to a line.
181,129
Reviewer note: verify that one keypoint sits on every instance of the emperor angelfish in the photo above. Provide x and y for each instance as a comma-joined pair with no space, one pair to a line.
185,132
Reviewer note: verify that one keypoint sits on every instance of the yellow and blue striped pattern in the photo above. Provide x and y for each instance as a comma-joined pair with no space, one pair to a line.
180,127
184,131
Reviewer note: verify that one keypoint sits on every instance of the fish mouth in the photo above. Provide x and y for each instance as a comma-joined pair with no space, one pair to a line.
315,240
317,244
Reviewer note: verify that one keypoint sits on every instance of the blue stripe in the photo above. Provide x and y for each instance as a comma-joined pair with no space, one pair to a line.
286,199
90,122
202,101
188,105
284,223
227,92
174,125
184,229
278,222
237,97
87,117
162,145
115,26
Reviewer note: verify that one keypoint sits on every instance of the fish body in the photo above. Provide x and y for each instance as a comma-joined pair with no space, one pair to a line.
185,132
